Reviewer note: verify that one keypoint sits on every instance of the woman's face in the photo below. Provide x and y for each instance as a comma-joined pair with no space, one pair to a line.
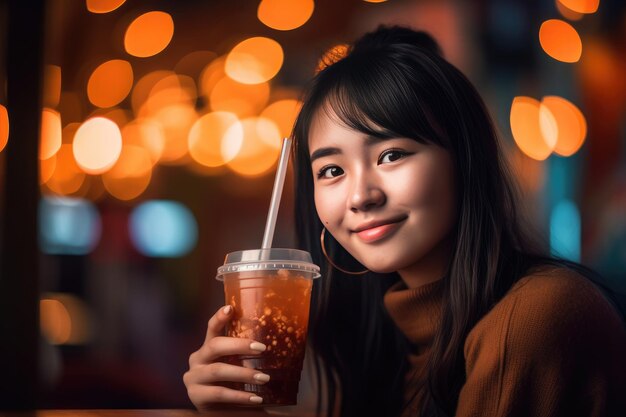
388,202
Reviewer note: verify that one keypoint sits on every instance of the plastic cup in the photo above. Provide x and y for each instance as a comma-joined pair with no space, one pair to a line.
270,292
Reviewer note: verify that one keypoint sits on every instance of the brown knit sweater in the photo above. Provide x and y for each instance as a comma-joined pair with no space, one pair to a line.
553,346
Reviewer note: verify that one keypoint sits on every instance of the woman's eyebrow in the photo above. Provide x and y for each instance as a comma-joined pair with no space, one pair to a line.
322,152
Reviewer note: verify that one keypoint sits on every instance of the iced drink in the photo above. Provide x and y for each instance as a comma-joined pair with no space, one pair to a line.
270,292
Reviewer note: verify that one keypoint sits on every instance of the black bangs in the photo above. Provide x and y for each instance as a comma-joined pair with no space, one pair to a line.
378,100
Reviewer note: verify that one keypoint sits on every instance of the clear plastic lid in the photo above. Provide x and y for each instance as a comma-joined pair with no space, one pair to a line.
272,259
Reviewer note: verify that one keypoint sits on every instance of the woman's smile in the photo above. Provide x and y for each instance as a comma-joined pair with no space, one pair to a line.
379,230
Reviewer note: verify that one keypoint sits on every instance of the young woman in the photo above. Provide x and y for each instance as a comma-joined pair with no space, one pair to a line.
433,299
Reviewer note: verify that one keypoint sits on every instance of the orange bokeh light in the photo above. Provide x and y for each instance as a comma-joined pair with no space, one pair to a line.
97,145
50,138
211,75
64,319
254,60
67,177
131,175
142,89
51,86
146,134
283,113
528,127
374,1
170,90
581,6
260,148
149,34
4,127
175,120
560,40
103,6
194,62
567,13
285,14
110,83
572,126
244,100
56,324
46,168
332,55
207,140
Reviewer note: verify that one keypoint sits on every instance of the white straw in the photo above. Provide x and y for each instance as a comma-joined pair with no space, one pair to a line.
277,192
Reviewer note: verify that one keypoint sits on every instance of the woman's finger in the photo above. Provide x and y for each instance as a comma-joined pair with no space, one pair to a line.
223,372
225,346
216,324
203,396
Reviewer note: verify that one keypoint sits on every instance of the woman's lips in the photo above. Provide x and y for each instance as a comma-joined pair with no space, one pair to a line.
378,232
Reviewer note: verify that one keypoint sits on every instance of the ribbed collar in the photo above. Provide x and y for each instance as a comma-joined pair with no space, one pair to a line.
415,311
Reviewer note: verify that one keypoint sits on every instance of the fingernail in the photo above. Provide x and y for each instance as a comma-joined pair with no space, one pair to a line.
261,377
227,309
258,346
256,399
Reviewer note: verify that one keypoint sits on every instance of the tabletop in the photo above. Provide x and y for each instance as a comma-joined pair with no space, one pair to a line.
230,412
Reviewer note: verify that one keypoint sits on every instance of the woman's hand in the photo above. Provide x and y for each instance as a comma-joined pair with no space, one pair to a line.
205,371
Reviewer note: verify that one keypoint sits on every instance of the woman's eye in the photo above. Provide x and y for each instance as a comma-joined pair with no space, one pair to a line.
391,156
330,172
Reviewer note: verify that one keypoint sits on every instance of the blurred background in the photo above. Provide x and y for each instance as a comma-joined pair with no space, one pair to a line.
138,143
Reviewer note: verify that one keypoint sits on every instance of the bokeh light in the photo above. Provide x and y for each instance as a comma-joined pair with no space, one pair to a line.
65,319
55,321
46,168
565,230
211,75
260,148
149,34
103,6
131,175
245,100
169,90
285,14
283,113
254,60
161,228
560,40
50,140
4,127
175,121
572,127
97,145
567,13
528,126
146,134
51,86
194,62
581,6
67,177
110,83
117,115
207,140
68,226
143,87
374,1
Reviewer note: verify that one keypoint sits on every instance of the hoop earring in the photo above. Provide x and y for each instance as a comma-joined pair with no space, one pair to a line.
330,260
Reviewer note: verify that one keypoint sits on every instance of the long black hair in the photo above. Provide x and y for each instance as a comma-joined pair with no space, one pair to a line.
397,78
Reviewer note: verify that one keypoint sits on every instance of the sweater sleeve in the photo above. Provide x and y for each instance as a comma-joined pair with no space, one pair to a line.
552,347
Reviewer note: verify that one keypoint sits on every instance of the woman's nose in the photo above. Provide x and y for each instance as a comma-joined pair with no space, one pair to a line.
365,194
